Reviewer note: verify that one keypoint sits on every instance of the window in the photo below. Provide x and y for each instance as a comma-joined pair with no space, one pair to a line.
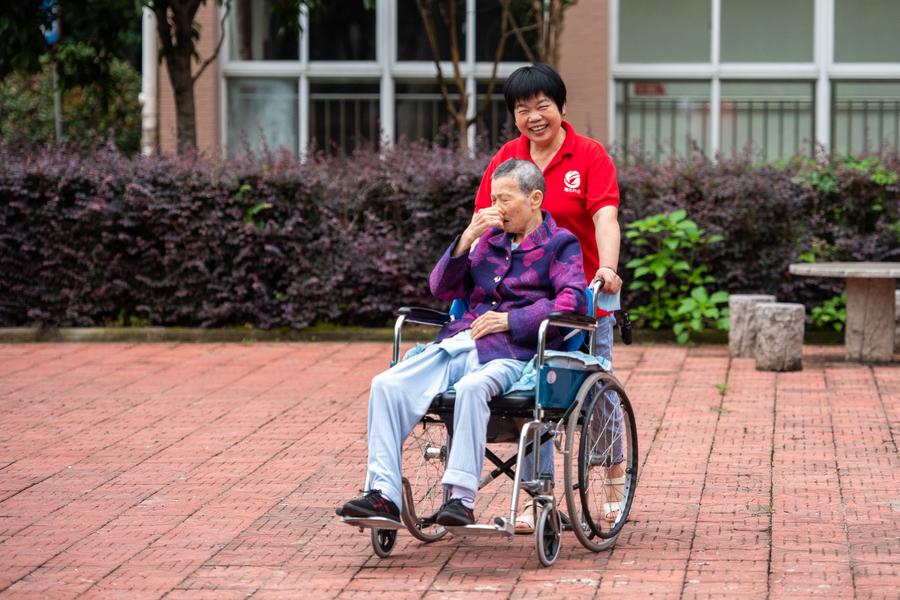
262,113
422,112
772,120
767,31
661,118
341,32
263,30
343,116
656,31
774,82
487,18
495,124
865,116
412,43
345,75
866,31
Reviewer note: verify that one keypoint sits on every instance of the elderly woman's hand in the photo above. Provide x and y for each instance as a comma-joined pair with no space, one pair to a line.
484,220
490,322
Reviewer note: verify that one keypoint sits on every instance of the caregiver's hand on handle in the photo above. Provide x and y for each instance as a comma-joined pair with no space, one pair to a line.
610,282
484,220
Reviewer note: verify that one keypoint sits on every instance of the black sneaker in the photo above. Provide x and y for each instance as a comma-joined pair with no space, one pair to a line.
372,504
454,514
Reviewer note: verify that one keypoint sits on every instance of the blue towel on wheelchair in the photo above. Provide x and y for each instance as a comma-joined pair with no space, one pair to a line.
528,380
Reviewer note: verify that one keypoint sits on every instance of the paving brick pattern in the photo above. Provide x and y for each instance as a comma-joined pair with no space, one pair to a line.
212,471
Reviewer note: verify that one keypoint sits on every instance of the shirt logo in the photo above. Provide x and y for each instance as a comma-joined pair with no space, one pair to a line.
572,180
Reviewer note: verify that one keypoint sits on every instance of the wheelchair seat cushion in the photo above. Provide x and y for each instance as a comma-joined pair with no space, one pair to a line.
514,403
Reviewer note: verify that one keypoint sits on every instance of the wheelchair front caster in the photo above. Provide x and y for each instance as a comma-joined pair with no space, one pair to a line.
383,541
547,531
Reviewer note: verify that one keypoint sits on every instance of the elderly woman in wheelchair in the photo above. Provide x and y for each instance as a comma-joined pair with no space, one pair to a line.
521,277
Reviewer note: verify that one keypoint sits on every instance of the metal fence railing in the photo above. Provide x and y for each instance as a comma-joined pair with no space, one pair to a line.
863,126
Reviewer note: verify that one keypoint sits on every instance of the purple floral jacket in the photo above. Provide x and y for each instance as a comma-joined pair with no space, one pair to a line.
541,276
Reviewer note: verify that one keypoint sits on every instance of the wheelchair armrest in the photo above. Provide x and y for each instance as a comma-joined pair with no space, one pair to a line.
423,316
571,319
562,319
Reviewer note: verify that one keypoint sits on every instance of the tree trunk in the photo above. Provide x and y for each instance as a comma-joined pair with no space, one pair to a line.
179,68
462,126
174,22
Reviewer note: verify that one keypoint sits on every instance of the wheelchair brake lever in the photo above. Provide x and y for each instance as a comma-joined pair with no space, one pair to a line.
625,327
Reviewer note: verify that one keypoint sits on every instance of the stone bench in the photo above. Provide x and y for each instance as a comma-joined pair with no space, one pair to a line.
741,330
779,335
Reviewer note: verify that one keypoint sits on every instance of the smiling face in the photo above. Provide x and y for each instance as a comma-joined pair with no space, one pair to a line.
521,213
538,118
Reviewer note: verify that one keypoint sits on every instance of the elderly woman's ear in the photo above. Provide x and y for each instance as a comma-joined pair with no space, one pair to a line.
536,199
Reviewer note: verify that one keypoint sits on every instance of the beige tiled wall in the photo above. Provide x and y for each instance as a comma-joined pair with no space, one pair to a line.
584,65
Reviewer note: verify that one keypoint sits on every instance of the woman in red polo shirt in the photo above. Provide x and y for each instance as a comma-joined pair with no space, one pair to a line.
582,196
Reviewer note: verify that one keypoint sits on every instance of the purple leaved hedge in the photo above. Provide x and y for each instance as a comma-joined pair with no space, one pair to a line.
100,238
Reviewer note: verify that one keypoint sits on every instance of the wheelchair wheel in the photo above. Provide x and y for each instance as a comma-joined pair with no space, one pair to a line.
425,454
600,462
383,541
547,534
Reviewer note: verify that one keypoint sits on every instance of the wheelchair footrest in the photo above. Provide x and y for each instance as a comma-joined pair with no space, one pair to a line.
372,523
500,527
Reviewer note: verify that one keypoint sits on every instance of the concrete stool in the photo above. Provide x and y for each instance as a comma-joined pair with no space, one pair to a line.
779,336
741,331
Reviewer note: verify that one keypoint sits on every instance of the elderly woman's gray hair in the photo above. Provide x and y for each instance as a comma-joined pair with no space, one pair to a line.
525,173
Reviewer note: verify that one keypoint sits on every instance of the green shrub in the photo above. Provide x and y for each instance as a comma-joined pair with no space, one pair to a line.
668,275
831,313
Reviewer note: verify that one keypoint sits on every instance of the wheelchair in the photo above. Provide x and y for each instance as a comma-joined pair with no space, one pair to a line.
575,402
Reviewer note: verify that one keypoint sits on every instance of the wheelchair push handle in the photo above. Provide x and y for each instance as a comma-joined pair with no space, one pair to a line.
613,304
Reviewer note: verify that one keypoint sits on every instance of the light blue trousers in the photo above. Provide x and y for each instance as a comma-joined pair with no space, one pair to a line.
603,342
401,395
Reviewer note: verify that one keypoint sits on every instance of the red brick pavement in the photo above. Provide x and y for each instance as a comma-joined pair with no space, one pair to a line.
212,471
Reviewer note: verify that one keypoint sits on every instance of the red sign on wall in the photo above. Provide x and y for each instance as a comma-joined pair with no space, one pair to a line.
649,88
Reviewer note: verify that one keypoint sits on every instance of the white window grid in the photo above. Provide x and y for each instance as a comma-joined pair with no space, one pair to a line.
822,70
385,68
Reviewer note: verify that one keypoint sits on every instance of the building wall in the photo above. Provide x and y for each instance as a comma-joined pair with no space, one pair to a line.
584,65
206,92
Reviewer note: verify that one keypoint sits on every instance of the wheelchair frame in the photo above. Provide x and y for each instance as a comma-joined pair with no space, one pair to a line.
545,424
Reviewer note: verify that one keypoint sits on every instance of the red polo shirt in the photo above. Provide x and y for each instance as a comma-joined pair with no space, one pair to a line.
581,179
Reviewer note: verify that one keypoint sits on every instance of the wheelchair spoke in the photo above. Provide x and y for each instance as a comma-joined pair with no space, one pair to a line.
424,456
604,445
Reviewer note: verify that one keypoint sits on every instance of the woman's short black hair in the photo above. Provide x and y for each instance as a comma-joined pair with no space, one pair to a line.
528,82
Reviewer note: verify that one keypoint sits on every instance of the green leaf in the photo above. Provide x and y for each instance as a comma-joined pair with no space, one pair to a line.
718,297
634,262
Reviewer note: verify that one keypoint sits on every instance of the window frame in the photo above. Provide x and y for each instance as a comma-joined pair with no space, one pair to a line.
822,70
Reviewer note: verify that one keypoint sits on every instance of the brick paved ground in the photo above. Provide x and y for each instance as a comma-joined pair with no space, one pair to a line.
195,471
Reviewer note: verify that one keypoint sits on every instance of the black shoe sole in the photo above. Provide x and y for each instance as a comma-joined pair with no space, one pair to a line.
357,512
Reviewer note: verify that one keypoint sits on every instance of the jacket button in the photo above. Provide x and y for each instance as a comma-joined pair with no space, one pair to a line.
494,303
497,279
